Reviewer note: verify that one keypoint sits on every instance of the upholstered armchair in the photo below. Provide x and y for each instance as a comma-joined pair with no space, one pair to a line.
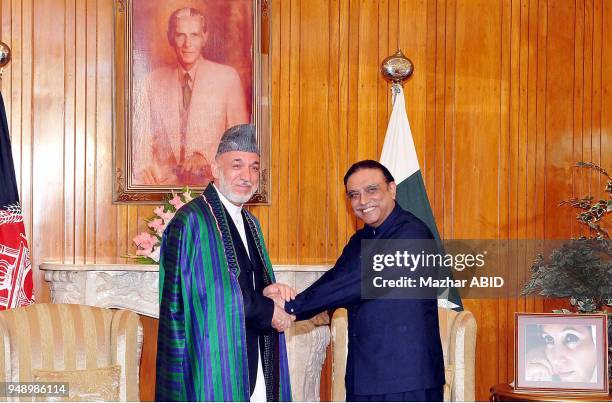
458,335
96,351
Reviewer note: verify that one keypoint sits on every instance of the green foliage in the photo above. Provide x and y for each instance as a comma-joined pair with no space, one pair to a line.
582,268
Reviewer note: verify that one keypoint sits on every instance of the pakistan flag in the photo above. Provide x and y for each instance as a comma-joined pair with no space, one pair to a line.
400,157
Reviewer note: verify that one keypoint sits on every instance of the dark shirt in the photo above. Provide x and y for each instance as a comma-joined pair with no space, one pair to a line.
394,344
258,310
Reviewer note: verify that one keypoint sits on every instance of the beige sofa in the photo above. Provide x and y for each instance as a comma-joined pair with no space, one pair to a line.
458,335
94,350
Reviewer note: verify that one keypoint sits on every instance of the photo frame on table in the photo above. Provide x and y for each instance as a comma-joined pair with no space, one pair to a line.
184,72
561,353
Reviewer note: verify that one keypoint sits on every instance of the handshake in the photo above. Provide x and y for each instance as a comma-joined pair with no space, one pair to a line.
280,293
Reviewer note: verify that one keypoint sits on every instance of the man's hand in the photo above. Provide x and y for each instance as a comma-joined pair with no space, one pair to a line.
195,165
279,290
154,175
281,320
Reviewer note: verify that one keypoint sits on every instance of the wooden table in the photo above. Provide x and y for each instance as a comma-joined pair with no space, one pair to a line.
503,392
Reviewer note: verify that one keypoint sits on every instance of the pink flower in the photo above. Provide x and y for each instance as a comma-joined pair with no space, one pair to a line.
157,225
143,252
159,210
177,202
145,241
166,216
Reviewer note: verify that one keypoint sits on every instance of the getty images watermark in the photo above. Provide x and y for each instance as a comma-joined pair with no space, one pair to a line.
423,269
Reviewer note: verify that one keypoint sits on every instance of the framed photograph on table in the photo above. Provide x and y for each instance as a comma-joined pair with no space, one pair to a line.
561,353
184,72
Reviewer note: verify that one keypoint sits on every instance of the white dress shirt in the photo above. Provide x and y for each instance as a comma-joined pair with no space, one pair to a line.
235,212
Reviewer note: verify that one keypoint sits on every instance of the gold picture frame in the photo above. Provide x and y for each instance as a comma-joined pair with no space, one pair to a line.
236,52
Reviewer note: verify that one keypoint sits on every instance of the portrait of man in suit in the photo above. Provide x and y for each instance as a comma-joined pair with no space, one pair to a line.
183,104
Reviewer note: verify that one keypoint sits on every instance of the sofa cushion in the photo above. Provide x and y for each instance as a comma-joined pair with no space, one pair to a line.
100,384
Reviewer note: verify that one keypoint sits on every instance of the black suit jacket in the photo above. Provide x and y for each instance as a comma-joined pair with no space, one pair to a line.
258,310
393,344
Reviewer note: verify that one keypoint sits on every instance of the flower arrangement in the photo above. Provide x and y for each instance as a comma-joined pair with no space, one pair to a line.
148,242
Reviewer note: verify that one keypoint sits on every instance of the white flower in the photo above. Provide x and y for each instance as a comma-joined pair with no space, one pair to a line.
155,254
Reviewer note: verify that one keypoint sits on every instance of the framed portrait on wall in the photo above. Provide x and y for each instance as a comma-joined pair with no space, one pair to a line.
561,353
184,72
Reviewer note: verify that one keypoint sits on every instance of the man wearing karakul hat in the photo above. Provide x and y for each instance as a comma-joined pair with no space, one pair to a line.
219,338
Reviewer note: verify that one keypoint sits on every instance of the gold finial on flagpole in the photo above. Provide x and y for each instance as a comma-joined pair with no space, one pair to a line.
397,67
5,56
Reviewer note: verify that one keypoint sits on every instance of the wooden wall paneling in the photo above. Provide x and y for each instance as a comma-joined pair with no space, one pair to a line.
528,219
354,9
11,21
148,357
91,132
334,193
6,28
281,17
519,98
47,127
432,144
437,89
367,76
294,133
579,178
6,24
272,241
106,213
532,218
80,101
18,80
25,87
583,90
447,120
383,90
131,224
393,28
477,92
506,163
541,116
345,221
604,76
559,113
314,70
413,37
477,123
594,14
519,154
121,233
69,160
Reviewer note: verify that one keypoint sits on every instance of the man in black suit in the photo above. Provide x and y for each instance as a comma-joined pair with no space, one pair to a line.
394,348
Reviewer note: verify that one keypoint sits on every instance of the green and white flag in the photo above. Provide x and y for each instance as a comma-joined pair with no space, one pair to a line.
400,157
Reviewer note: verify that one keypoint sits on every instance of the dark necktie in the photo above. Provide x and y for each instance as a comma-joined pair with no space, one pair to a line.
186,90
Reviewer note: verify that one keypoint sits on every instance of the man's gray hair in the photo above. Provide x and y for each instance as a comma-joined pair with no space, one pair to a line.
182,13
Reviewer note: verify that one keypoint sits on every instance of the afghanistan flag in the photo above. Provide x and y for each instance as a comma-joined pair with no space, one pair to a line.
400,157
15,269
